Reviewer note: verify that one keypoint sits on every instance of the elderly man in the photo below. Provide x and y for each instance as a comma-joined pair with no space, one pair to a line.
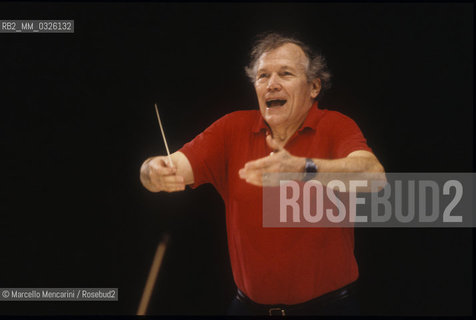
276,270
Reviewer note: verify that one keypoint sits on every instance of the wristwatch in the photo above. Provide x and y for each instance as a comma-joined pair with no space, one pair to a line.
310,169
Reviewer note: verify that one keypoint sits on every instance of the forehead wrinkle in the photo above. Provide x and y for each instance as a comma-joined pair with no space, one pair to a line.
301,60
285,67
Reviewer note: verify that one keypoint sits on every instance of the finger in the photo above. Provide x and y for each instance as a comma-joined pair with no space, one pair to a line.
172,179
167,181
169,186
255,182
159,167
253,179
273,144
174,188
168,163
259,164
260,177
245,174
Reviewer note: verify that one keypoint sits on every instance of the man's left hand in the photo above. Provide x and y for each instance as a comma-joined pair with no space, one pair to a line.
279,160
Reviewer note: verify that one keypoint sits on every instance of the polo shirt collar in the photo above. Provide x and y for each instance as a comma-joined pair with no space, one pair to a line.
312,118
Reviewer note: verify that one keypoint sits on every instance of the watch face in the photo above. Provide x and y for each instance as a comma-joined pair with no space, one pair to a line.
310,169
310,166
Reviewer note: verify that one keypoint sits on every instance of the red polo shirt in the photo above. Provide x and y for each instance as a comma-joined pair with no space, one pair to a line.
276,265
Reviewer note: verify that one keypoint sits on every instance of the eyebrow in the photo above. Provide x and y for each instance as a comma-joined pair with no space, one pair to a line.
280,69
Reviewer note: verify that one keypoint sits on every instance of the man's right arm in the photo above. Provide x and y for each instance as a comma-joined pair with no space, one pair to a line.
156,174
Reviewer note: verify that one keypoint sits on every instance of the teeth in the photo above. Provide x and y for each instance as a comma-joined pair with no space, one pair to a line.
275,103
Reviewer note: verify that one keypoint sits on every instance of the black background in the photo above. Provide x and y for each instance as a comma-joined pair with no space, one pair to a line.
77,120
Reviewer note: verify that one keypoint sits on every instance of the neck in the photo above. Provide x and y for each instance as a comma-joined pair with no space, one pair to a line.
282,133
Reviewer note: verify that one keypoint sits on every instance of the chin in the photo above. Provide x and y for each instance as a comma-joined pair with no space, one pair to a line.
274,120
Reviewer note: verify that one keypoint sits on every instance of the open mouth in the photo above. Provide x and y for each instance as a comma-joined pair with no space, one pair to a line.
275,103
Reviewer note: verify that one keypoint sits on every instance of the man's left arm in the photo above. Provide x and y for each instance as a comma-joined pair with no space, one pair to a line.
356,161
282,161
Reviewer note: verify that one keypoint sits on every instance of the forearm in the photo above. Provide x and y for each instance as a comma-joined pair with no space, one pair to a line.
350,164
359,165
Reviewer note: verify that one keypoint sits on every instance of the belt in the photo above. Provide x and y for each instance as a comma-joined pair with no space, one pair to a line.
283,309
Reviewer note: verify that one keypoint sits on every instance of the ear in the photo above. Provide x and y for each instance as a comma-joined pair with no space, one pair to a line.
316,87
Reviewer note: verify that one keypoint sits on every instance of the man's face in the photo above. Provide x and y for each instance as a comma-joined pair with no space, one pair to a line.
284,94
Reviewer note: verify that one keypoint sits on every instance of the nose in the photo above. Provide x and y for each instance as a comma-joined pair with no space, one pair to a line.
274,83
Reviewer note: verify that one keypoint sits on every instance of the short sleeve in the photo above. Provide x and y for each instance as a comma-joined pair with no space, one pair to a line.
347,137
207,155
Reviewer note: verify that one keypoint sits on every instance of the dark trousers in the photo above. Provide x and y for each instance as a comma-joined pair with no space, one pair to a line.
344,305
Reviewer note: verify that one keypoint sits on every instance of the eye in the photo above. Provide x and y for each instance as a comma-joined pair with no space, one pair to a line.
262,75
286,73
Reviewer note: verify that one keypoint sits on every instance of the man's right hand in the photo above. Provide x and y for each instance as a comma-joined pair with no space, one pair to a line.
156,174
